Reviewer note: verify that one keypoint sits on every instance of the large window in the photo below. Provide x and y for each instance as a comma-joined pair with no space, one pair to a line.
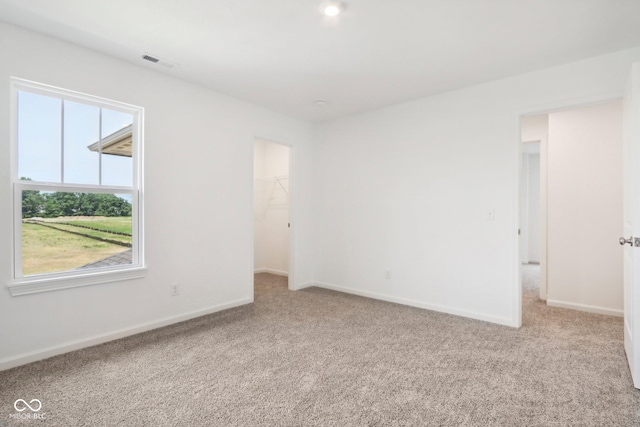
77,183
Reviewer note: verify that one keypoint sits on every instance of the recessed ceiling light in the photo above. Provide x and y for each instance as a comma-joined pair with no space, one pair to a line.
321,103
332,7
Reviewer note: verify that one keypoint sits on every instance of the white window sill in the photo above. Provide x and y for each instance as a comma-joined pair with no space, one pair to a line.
34,285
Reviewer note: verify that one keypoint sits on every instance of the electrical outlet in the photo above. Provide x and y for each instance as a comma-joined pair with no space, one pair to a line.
175,290
387,274
490,214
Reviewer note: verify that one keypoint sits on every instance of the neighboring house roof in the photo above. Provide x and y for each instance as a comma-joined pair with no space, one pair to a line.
123,258
116,144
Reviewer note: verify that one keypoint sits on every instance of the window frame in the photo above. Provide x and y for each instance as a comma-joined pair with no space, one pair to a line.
22,285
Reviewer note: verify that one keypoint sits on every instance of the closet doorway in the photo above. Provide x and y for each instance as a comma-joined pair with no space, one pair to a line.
271,207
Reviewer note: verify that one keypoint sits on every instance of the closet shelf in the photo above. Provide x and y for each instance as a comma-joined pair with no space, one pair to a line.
278,179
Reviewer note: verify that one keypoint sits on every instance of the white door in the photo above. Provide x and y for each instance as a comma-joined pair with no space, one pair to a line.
631,224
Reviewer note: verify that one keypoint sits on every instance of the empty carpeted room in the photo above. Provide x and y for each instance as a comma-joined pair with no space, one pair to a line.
448,235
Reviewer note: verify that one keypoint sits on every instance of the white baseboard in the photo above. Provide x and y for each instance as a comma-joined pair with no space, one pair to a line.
45,353
304,285
413,303
271,271
585,307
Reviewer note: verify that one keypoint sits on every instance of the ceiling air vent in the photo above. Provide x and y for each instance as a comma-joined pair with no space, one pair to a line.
150,58
159,61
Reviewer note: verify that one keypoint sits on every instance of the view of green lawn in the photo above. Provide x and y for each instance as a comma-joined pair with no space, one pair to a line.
93,233
117,224
48,250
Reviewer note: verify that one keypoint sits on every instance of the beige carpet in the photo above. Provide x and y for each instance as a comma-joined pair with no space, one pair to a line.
317,357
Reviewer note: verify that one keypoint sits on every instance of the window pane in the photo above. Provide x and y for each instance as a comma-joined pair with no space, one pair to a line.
117,164
63,231
39,139
81,143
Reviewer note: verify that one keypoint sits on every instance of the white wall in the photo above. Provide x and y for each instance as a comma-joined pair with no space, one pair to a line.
271,208
584,208
408,187
259,205
533,206
198,201
534,129
530,235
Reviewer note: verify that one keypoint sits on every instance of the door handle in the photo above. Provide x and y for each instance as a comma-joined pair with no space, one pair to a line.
623,241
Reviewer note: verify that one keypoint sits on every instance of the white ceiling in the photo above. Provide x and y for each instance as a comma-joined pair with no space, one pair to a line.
284,55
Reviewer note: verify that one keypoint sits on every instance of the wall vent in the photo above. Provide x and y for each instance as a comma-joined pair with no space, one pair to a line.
159,61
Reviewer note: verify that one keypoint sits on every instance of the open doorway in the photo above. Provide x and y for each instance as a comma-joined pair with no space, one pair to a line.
571,208
271,204
534,131
534,138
